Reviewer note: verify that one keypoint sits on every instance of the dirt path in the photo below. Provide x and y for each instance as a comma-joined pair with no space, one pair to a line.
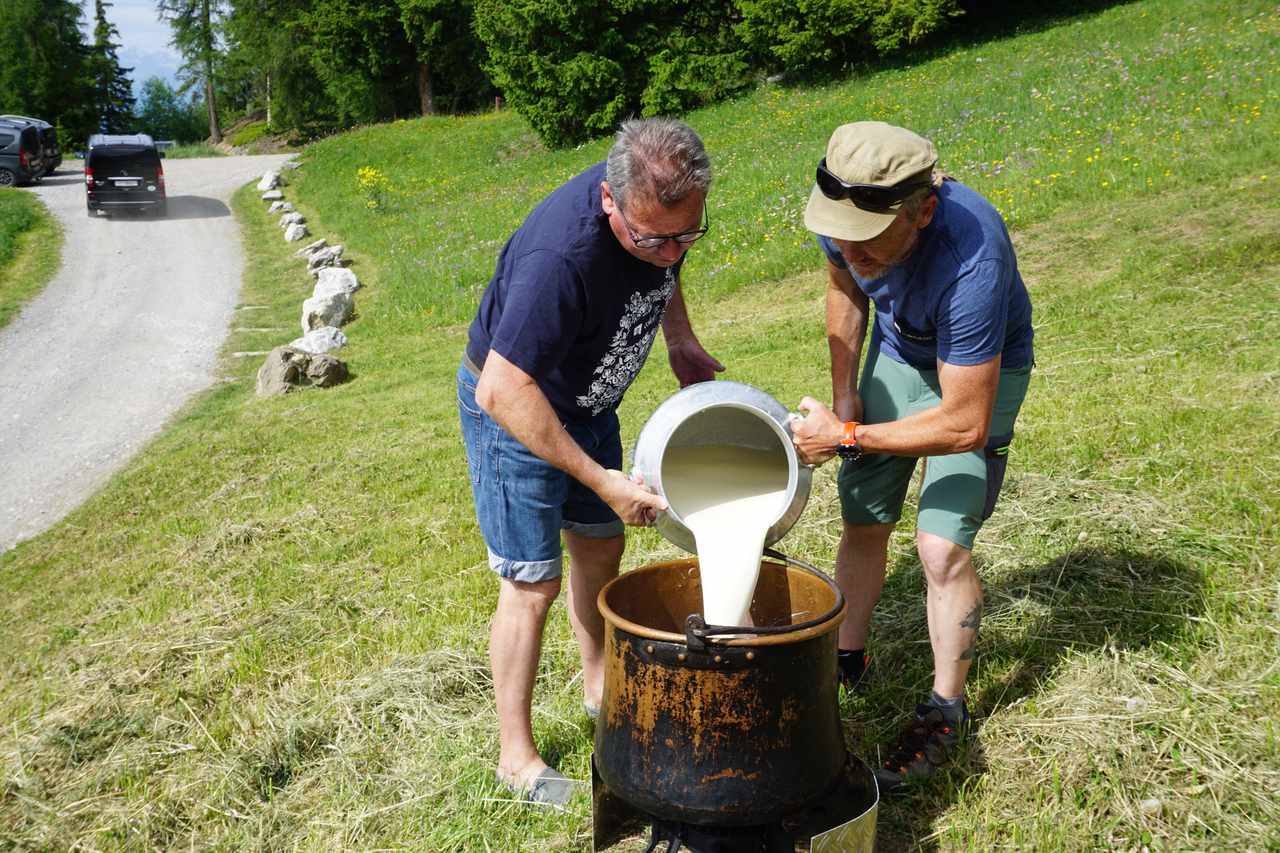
126,332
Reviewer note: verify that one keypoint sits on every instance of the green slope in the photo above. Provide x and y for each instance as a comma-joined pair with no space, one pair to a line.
270,631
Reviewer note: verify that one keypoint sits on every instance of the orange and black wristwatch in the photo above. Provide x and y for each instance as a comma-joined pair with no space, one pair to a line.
848,448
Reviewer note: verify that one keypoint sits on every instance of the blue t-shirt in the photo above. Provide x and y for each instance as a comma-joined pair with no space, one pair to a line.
570,306
958,297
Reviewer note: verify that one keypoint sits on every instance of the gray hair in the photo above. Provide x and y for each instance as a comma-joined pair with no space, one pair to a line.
913,203
661,159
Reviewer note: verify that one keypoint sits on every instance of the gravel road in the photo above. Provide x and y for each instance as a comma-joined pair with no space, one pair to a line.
123,335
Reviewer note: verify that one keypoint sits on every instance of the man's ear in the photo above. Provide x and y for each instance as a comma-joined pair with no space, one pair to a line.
927,210
607,204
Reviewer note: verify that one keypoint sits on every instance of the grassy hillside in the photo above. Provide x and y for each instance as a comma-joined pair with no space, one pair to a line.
29,243
270,630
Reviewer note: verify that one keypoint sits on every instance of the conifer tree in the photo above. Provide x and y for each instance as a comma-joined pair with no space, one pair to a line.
195,26
45,67
113,91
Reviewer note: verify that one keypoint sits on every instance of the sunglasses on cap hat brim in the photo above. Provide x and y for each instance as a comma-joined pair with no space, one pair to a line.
872,198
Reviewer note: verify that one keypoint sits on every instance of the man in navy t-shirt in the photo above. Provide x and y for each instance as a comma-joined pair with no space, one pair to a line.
565,325
946,371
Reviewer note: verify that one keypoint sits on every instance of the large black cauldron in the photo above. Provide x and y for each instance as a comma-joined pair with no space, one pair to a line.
701,726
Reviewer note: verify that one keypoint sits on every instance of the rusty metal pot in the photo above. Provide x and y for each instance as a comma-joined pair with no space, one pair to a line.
729,726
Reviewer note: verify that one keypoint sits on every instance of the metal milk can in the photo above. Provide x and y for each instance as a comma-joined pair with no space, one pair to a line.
720,412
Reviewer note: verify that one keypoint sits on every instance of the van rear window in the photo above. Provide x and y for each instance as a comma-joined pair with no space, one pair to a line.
117,153
6,139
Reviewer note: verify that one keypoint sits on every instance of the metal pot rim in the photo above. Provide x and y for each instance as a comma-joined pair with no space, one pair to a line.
826,623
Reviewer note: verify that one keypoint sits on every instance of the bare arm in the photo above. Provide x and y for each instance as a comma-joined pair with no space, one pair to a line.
689,361
959,424
847,312
513,399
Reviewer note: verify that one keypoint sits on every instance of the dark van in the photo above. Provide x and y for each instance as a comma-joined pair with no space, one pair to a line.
123,173
48,140
21,161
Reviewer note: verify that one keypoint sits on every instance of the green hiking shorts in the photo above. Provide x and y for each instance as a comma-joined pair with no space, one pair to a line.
959,490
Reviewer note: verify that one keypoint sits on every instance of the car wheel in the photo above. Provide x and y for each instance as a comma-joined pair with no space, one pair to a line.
8,178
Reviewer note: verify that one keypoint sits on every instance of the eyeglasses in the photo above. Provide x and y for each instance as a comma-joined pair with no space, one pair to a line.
872,198
653,241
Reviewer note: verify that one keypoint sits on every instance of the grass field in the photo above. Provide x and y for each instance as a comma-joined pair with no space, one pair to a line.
29,242
270,630
194,149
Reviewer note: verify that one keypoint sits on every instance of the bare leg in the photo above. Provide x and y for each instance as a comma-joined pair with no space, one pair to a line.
592,564
860,566
954,606
515,644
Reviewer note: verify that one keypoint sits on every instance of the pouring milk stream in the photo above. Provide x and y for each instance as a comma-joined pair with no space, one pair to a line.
728,496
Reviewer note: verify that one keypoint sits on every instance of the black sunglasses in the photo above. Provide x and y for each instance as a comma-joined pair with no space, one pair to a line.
653,241
872,198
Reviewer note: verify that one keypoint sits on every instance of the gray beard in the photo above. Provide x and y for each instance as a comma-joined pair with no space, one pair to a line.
879,270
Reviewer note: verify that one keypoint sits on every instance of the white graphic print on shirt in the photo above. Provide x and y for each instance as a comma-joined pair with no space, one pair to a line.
629,347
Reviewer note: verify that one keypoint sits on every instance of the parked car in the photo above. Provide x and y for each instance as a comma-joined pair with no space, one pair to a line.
122,173
21,158
48,140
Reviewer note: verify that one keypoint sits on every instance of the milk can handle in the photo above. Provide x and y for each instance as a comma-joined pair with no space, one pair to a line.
697,631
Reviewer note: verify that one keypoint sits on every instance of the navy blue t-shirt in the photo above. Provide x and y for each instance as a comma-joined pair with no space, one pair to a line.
958,297
570,306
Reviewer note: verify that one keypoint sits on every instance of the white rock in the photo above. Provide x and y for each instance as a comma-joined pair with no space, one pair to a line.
326,257
323,339
270,180
311,247
332,309
292,219
1151,806
336,280
296,233
280,207
273,195
287,369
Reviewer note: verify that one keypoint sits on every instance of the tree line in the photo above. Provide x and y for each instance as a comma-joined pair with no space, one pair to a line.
572,68
51,68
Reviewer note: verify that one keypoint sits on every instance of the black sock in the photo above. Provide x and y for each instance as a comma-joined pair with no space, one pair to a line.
954,710
852,663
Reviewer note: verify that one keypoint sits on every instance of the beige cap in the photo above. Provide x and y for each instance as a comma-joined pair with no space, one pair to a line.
866,152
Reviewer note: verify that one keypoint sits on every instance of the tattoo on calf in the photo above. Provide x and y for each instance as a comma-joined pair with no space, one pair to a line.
972,621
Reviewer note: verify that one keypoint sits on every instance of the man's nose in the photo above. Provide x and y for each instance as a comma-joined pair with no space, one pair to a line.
671,250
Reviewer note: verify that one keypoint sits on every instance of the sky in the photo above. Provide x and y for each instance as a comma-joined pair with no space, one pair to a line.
144,40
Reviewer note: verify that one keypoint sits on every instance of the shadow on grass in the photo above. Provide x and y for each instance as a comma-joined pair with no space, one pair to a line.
1088,599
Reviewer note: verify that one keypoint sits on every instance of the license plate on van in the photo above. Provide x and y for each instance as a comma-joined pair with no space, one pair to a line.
129,183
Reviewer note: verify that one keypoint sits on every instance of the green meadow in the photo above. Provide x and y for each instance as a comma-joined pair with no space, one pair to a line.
269,631
29,242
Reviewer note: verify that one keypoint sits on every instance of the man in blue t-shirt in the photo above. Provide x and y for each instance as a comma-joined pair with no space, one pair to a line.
946,371
565,325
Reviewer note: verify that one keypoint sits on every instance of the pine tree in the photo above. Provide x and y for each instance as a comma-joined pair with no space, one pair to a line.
45,72
113,91
195,35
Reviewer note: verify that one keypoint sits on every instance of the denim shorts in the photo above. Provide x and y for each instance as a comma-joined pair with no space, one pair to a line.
523,502
959,490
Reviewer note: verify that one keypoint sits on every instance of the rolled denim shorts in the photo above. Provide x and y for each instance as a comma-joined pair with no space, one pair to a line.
959,490
523,502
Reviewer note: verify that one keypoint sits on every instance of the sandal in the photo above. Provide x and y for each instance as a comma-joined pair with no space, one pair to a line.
549,788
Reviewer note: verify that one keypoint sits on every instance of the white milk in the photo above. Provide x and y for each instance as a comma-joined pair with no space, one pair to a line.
728,497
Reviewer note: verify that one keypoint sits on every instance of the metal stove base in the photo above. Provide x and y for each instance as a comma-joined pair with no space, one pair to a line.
843,821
